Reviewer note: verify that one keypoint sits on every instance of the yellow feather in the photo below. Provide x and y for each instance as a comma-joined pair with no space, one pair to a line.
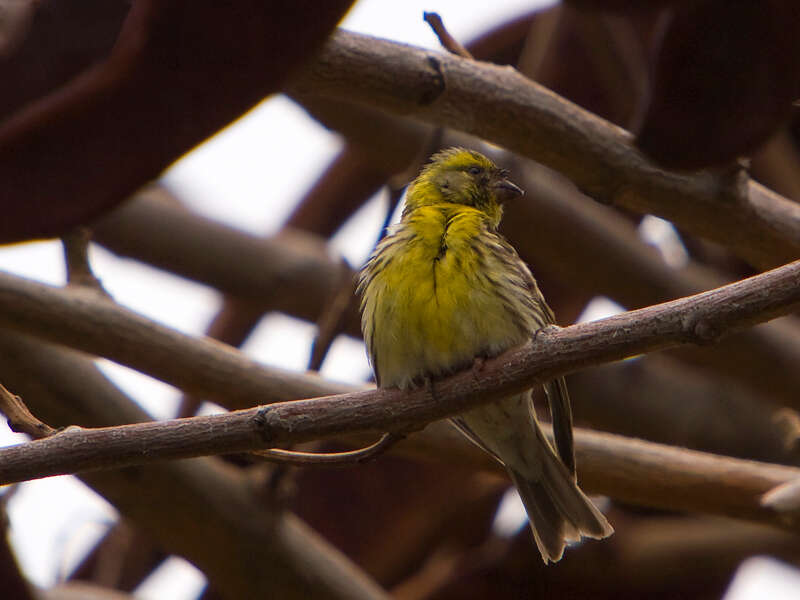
443,288
437,306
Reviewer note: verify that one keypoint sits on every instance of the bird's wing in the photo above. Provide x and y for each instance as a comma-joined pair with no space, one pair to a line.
561,413
470,435
556,390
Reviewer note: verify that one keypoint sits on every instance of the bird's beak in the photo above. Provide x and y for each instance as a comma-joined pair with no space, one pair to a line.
506,190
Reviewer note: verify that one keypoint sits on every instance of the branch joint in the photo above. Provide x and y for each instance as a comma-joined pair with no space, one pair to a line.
435,85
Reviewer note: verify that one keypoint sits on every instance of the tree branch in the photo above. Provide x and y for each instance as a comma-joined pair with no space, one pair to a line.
699,318
294,275
447,41
624,267
633,273
715,414
82,320
19,418
630,470
76,258
269,272
213,514
500,105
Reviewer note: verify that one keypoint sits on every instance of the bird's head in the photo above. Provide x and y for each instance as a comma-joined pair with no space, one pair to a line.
461,176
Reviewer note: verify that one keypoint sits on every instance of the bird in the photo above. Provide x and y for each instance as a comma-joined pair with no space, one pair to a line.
443,291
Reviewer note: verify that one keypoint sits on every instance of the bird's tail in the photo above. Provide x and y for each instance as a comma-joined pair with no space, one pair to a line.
559,512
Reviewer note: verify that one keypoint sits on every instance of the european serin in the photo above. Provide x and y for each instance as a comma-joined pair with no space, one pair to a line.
443,289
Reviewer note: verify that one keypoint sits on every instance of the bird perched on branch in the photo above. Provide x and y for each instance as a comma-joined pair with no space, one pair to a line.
444,289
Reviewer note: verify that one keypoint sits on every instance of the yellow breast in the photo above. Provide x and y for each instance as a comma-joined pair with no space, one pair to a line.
436,294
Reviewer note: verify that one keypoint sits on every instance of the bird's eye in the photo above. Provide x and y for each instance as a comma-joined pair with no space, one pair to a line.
474,170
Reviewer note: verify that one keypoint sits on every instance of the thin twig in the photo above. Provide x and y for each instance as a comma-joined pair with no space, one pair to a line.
330,459
332,321
76,258
447,41
20,419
